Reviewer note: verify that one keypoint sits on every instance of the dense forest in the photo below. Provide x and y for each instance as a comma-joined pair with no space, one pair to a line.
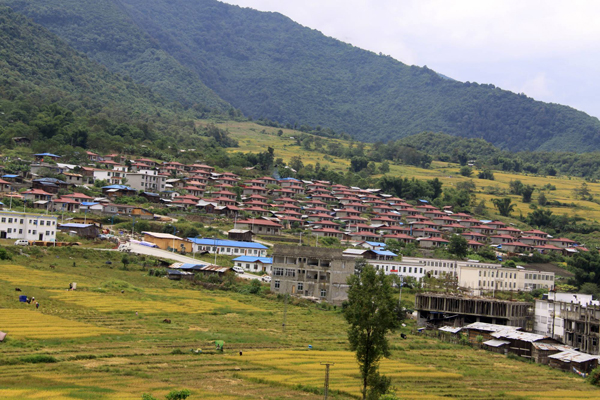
271,67
102,31
61,100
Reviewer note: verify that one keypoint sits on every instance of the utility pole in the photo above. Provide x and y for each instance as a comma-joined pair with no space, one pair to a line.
326,387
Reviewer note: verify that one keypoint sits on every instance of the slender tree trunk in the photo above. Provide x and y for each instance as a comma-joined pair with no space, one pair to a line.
366,368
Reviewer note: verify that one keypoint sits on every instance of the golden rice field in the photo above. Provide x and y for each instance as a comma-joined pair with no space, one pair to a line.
188,303
35,325
23,276
103,350
293,368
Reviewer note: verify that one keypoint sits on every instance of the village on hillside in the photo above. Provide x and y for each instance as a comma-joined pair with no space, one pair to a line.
346,223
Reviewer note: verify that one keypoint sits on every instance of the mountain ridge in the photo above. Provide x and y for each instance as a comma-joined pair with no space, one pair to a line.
268,66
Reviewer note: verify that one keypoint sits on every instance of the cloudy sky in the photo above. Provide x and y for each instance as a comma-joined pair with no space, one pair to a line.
547,49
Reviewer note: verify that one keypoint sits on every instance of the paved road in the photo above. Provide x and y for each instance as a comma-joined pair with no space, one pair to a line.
152,251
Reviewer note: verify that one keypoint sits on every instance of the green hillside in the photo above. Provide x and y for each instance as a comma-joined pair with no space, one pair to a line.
101,30
269,66
64,102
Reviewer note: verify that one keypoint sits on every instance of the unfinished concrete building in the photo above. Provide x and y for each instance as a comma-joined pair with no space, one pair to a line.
311,272
581,326
436,309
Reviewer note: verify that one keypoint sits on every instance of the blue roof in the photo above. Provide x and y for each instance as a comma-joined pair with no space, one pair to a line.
192,266
10,176
118,187
228,243
46,155
89,203
376,244
385,253
264,260
75,225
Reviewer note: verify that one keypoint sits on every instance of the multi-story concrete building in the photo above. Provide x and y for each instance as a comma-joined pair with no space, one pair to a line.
574,319
147,180
16,225
471,275
311,272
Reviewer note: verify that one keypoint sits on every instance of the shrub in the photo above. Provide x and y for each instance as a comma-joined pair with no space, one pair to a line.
594,377
177,351
38,358
178,394
4,254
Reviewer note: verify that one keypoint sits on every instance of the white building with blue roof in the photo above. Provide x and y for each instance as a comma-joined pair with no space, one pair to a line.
255,264
228,247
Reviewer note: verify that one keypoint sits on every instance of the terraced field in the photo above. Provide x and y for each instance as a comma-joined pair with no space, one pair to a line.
104,350
35,325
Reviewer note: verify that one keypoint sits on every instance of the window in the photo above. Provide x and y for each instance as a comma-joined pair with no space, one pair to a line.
278,271
323,293
276,284
10,220
410,270
3,219
9,230
300,286
21,221
41,222
20,230
47,233
290,272
248,266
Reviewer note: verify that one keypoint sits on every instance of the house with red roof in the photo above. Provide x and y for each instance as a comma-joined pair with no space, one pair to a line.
260,226
430,242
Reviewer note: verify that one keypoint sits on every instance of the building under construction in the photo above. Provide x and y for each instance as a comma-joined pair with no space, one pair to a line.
437,309
581,326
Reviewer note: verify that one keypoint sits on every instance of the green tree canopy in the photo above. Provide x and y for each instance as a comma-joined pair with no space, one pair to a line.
372,312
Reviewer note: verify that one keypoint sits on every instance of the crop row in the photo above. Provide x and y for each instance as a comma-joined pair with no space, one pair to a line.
33,324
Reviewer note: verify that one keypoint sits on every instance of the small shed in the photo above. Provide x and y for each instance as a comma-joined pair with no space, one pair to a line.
89,231
486,330
574,361
176,275
241,235
496,346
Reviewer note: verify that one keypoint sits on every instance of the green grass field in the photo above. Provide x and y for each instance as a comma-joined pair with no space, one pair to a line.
251,139
109,342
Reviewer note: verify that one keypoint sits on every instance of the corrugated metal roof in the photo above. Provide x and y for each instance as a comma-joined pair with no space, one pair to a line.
75,225
228,243
483,326
215,268
551,347
495,343
516,335
264,260
450,329
573,356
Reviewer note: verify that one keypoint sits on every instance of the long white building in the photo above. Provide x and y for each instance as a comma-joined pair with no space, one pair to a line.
18,225
471,275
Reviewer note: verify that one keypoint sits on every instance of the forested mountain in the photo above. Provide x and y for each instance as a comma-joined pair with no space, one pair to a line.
102,30
63,101
269,66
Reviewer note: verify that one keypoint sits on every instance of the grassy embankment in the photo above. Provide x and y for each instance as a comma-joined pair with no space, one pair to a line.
107,341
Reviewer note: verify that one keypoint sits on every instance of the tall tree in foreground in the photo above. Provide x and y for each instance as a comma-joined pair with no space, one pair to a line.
372,312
